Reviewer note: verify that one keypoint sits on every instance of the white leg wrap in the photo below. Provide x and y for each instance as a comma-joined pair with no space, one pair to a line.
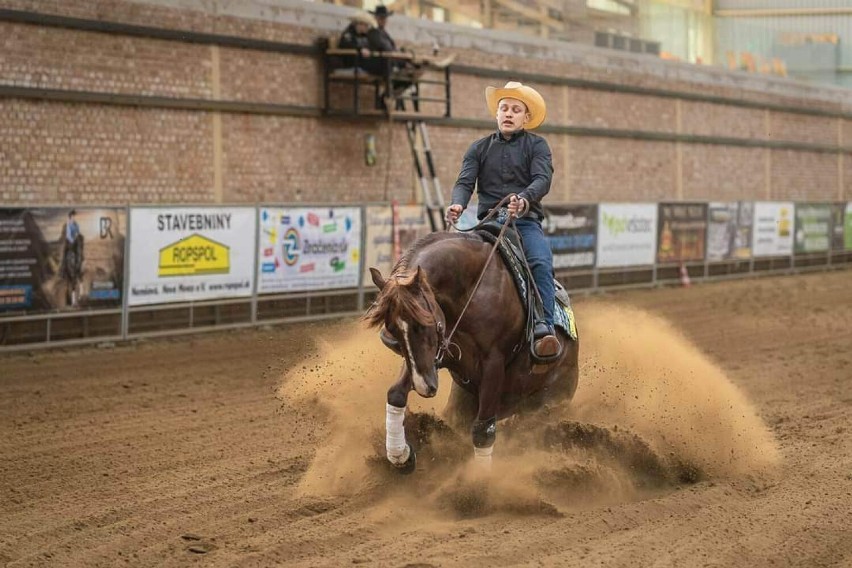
397,449
482,457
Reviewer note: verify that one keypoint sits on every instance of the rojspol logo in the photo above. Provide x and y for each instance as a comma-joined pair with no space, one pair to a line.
290,246
195,254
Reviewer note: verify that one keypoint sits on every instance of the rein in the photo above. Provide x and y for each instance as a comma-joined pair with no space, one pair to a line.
446,340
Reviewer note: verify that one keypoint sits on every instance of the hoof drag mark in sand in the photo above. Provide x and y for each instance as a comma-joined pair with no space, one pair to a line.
651,412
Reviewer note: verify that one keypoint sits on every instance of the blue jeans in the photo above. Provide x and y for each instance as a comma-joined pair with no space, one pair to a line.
540,259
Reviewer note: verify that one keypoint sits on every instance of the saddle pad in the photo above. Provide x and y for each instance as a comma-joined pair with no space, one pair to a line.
511,252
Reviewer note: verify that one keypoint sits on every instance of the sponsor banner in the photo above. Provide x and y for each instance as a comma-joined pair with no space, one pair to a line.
773,228
847,227
682,232
571,231
729,227
627,234
180,254
813,227
837,212
388,239
309,248
61,258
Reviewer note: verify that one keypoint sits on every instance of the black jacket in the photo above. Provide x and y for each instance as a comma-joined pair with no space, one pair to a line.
498,167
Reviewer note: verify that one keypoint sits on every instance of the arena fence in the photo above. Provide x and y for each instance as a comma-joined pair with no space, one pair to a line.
107,274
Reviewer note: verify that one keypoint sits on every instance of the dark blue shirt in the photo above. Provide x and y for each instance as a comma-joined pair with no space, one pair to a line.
521,165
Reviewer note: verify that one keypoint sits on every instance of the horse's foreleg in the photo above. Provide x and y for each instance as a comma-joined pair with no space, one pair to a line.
484,435
461,408
398,451
484,431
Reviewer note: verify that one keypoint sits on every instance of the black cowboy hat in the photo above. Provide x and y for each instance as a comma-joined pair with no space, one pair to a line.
382,11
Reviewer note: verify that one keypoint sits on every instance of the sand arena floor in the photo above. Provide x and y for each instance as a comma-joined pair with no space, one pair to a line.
712,427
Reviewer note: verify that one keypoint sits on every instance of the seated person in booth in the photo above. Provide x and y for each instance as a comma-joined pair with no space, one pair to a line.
515,162
381,40
356,36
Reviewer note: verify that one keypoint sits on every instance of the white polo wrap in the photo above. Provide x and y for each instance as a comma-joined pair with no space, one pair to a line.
482,457
397,449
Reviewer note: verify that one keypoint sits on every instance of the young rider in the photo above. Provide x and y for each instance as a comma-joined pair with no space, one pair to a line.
515,162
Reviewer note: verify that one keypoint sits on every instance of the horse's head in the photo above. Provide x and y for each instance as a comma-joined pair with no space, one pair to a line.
407,307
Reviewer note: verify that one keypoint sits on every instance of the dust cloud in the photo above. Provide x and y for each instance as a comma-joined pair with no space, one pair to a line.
651,412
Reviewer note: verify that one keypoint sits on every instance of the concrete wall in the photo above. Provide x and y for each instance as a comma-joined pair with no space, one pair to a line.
649,133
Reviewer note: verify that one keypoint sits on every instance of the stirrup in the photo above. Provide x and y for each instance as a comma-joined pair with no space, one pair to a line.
546,350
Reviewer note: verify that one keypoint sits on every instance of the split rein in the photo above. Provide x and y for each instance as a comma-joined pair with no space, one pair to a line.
445,340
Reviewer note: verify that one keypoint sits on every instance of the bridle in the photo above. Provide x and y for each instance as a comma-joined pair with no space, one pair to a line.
444,340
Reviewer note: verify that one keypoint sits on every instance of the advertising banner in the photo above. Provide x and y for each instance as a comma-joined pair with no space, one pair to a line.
813,227
729,227
682,232
627,234
387,238
571,231
68,259
309,248
773,228
838,210
847,227
181,254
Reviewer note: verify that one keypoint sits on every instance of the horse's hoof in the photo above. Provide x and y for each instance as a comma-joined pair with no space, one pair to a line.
410,464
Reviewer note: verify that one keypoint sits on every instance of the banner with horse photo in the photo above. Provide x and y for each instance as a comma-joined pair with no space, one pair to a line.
183,254
309,248
729,227
682,232
572,232
813,227
61,258
773,228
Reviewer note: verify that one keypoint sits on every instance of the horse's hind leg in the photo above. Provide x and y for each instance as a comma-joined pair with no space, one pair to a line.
460,409
566,384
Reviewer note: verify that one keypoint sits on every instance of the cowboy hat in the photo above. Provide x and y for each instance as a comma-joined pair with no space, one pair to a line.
381,11
363,18
527,95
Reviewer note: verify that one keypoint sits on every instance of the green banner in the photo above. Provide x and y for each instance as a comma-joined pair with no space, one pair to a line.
847,227
813,224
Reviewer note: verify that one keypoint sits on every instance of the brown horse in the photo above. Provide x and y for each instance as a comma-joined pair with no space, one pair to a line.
422,302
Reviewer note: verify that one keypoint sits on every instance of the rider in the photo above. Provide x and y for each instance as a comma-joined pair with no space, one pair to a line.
515,162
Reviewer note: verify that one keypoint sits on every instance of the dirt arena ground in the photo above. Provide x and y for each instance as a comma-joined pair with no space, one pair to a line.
711,427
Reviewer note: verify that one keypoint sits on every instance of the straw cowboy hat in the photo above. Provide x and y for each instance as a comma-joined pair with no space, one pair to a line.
527,95
364,18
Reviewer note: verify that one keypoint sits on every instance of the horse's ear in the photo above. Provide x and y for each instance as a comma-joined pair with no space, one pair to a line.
419,277
378,279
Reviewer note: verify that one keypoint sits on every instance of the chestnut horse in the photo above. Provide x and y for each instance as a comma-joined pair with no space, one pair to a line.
422,306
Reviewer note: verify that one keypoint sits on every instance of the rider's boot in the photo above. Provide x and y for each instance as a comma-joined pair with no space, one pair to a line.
546,345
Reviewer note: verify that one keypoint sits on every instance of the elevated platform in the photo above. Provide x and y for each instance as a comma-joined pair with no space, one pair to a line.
407,85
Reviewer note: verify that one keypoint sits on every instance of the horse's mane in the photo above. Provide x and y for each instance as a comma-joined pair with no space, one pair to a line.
422,243
401,294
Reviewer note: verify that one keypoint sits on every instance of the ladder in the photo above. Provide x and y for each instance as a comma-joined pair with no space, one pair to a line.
433,197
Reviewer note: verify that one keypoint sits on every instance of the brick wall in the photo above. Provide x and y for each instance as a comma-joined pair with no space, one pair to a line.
85,152
58,153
